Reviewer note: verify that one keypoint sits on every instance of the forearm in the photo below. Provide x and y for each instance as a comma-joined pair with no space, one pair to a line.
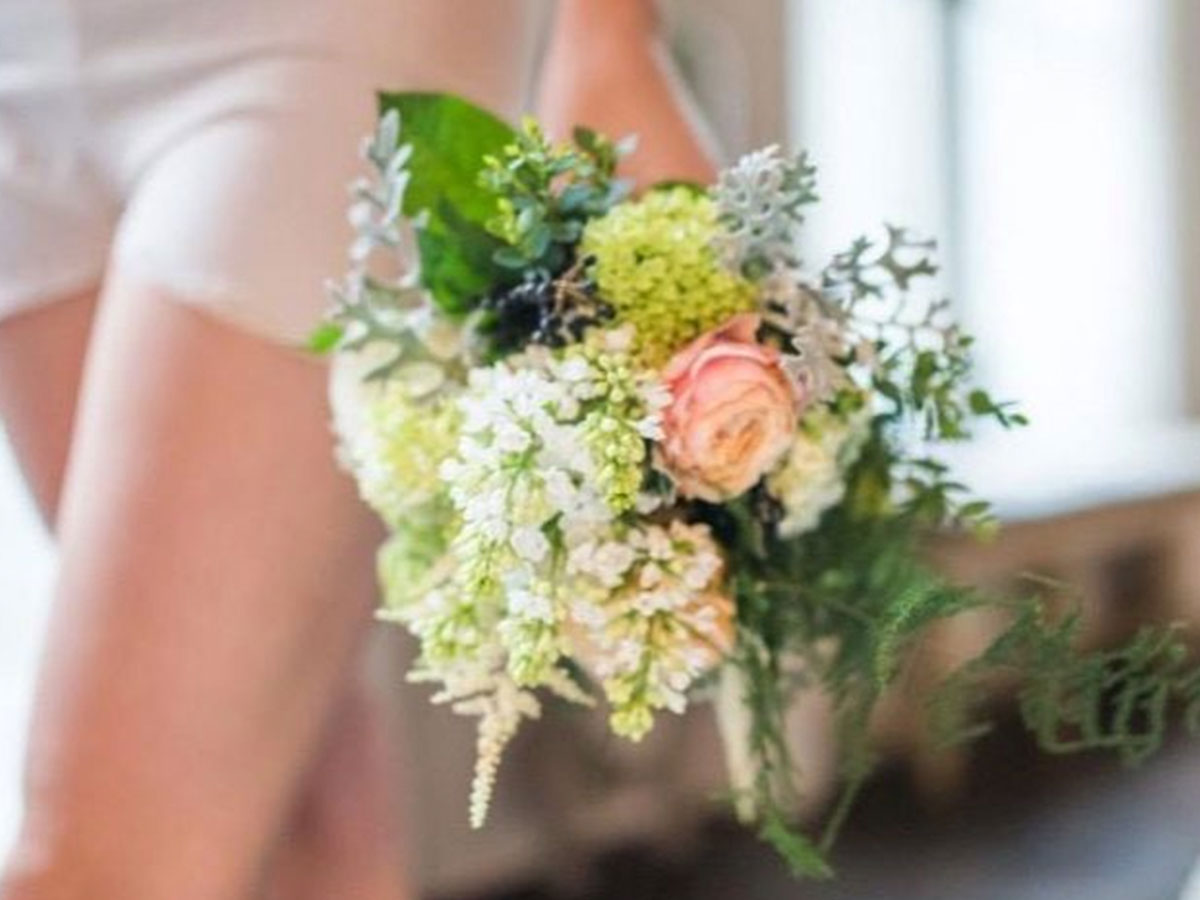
607,68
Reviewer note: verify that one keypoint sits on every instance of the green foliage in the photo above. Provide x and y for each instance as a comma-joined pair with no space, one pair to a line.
849,600
803,857
325,338
839,608
502,223
364,313
450,138
457,260
921,360
542,194
867,270
921,368
1117,699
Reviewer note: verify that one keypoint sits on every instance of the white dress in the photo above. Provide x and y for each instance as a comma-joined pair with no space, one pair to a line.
205,145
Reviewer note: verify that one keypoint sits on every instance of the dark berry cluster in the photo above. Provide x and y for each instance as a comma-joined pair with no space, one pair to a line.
542,311
515,313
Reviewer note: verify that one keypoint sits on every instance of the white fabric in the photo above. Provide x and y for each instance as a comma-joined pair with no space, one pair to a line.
205,145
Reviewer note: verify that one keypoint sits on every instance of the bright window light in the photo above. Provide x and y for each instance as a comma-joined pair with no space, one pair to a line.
1065,234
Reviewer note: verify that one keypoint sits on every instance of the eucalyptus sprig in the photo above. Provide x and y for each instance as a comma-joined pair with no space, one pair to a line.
546,192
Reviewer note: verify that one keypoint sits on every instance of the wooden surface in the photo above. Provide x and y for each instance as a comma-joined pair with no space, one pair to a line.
1033,829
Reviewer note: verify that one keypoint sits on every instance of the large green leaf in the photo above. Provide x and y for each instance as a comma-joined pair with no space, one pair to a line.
450,138
457,264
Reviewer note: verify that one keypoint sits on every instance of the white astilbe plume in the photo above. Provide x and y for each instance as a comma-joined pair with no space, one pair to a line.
480,686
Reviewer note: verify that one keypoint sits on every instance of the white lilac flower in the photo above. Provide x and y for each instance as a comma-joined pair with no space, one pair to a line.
530,544
653,618
550,452
547,454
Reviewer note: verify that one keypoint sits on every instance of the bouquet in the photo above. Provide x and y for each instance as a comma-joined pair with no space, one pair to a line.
632,453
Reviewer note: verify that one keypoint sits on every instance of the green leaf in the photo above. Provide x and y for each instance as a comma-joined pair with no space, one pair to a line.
975,509
450,138
889,390
693,187
981,403
510,258
325,338
586,138
801,854
457,262
575,197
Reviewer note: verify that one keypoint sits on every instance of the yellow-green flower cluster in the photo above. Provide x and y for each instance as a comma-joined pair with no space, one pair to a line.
623,414
532,632
655,263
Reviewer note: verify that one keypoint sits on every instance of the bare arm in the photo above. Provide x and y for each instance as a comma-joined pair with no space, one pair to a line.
607,68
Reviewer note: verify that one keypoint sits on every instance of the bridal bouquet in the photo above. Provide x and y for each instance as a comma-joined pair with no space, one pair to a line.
633,453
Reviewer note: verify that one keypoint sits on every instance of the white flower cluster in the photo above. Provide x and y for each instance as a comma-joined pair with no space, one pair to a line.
650,618
812,477
526,480
543,463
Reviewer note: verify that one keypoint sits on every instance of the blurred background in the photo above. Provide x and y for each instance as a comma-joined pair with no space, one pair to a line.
1054,149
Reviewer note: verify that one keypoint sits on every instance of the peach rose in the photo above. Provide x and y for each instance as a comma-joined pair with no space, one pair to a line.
732,414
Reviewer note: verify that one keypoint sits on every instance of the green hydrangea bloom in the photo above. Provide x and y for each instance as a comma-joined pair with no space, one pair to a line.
409,560
655,263
402,445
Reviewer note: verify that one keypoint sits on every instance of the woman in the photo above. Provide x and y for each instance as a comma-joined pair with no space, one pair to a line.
171,197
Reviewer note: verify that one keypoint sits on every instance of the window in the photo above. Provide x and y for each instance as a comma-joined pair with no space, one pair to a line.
1065,235
1034,138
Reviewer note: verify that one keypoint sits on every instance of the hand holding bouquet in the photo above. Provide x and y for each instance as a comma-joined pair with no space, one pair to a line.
632,452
